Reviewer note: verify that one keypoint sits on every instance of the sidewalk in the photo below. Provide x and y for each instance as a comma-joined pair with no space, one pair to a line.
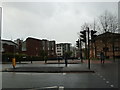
51,67
74,66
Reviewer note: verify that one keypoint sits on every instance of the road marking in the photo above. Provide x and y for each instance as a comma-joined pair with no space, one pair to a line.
107,81
24,73
104,79
64,73
61,88
52,87
111,85
98,74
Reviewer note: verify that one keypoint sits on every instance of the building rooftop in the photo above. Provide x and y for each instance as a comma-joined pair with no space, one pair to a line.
108,35
8,41
63,43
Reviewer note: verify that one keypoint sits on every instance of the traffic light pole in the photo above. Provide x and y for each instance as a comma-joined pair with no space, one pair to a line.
93,41
81,51
88,50
83,39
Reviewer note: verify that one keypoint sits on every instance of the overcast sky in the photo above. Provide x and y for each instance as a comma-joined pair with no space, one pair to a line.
59,21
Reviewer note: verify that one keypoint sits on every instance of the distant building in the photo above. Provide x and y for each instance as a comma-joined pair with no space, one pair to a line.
51,49
19,43
34,47
107,42
24,47
74,51
8,46
61,48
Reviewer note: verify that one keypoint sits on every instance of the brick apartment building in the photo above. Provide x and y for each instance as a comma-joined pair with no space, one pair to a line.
30,47
107,42
36,46
8,46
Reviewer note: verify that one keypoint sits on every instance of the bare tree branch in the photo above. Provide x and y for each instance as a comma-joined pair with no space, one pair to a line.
108,22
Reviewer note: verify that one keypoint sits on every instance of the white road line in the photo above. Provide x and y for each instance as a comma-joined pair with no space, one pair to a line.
52,87
98,74
24,73
111,85
107,82
61,88
64,73
104,79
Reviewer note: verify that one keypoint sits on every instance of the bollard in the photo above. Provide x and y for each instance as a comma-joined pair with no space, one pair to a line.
14,62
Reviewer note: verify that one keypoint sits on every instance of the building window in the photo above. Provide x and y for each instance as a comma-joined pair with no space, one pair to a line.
58,51
52,48
59,54
105,49
58,47
43,48
116,48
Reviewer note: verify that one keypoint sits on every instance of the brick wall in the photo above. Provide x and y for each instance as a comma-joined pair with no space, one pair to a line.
35,46
106,44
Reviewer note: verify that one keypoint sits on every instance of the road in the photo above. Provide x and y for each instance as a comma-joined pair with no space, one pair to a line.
105,76
44,80
108,71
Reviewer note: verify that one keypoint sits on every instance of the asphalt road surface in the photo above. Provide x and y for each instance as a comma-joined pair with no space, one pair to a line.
53,80
105,76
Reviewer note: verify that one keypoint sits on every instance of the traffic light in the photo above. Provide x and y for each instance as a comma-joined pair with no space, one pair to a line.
83,36
77,43
93,35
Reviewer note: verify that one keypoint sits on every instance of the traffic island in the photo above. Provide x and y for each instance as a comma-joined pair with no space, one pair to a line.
49,70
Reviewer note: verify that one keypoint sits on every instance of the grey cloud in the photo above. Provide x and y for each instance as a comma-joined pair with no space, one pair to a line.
51,20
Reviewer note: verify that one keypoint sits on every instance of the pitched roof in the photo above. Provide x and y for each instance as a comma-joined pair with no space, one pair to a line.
8,41
108,35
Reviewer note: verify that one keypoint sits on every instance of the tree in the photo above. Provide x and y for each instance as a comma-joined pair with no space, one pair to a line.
68,54
108,22
43,54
